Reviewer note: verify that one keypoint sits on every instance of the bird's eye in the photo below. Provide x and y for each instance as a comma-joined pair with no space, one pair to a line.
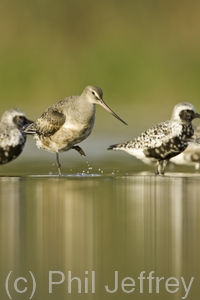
93,93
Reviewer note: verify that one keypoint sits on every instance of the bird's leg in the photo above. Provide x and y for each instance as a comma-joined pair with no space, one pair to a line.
157,171
160,167
58,164
79,150
163,166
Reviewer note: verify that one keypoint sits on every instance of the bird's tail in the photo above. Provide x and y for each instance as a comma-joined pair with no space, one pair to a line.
28,129
117,146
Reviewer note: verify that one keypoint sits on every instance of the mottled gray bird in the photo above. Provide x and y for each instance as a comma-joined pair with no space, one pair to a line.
12,140
70,121
191,155
165,140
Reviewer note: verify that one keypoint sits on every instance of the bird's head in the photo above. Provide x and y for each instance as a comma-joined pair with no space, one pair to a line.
94,95
15,117
184,112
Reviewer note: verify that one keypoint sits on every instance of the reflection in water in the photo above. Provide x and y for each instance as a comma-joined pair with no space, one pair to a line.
105,224
10,196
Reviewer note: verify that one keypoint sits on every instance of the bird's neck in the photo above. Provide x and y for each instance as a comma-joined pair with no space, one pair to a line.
86,111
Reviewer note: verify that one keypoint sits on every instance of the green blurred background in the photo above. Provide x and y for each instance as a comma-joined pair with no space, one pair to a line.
145,55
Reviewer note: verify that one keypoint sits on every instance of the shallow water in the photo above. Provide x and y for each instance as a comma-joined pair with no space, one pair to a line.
117,226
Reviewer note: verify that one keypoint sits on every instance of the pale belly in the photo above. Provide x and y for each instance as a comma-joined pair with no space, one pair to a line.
64,139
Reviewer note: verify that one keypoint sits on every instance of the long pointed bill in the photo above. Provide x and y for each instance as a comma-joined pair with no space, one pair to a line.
104,105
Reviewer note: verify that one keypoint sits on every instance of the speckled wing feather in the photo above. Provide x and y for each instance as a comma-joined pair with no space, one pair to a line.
154,136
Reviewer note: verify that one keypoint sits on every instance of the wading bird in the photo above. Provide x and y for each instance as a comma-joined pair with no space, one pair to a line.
12,139
191,155
163,141
68,122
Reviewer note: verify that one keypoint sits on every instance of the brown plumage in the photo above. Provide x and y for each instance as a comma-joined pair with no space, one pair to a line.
70,121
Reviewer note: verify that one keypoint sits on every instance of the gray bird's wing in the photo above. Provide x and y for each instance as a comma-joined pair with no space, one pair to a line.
49,122
52,119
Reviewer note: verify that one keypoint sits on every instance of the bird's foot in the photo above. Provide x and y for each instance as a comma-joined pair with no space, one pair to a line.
79,150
